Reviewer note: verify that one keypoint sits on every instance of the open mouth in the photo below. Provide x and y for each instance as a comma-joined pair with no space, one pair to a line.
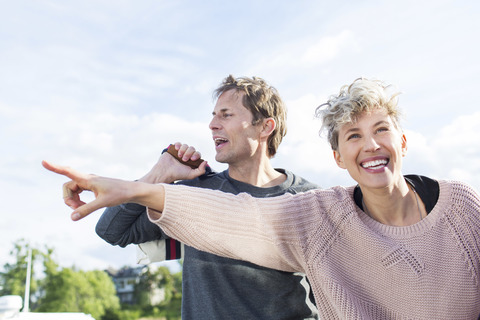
220,141
375,164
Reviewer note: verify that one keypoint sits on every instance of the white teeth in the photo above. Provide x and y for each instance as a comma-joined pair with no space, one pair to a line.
374,163
220,141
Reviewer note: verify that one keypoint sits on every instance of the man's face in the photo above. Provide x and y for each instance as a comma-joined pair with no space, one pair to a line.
236,139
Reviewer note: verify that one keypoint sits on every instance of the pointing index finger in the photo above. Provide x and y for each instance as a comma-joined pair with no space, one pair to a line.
65,171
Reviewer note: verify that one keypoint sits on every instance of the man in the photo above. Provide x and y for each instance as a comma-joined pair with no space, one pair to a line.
248,124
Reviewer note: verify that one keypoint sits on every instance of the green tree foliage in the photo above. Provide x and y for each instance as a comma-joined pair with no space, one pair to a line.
12,279
67,290
172,309
59,289
56,289
170,286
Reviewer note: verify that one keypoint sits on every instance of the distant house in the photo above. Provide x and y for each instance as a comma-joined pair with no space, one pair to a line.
127,278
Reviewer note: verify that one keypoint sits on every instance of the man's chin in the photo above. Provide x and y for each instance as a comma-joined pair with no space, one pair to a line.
221,159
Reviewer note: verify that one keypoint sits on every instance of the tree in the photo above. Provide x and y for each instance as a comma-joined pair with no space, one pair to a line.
171,310
12,279
161,279
65,289
56,289
61,289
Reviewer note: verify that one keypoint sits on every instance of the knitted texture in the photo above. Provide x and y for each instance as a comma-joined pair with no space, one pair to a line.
358,268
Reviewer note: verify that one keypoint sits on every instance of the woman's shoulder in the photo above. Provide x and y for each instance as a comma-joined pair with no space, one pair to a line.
432,190
431,184
459,189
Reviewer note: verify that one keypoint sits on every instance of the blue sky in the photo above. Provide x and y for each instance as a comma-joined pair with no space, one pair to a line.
104,86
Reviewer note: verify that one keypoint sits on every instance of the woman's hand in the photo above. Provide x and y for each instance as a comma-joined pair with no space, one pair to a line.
108,192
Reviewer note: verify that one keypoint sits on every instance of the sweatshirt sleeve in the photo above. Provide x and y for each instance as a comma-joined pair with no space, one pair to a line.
265,231
127,224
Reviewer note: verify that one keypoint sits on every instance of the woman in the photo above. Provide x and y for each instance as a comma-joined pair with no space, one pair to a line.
392,247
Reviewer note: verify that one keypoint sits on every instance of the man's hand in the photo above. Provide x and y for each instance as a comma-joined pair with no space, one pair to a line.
168,169
108,192
175,151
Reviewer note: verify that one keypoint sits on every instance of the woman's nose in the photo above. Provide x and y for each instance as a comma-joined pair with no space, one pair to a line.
371,144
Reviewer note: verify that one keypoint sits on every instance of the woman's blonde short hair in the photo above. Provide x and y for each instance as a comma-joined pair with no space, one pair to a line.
363,95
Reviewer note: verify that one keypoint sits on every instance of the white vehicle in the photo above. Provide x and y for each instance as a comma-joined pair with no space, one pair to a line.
10,307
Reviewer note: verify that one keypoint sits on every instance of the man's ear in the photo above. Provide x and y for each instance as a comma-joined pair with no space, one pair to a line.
404,145
269,125
338,159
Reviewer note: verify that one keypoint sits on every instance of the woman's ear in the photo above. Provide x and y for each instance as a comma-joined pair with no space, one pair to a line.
338,159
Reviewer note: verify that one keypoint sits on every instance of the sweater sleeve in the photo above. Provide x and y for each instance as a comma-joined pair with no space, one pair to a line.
265,231
127,224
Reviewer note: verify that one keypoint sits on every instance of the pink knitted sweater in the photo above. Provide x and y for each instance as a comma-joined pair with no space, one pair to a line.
358,268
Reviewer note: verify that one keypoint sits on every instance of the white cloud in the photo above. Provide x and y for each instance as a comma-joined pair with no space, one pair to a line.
306,52
328,48
451,153
458,149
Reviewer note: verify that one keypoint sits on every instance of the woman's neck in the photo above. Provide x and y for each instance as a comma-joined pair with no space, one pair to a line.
396,206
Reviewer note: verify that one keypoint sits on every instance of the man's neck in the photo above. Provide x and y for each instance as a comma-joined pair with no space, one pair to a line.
260,175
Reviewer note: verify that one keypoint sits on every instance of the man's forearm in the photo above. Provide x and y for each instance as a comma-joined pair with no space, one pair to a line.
126,224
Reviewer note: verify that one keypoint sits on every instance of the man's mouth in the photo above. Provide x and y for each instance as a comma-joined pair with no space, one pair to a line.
374,164
220,141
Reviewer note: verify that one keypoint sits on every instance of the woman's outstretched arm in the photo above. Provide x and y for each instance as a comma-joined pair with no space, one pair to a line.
264,231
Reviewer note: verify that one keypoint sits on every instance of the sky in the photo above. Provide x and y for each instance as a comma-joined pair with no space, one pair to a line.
104,86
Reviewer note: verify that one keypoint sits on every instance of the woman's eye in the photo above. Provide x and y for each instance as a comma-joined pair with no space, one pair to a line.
353,136
382,129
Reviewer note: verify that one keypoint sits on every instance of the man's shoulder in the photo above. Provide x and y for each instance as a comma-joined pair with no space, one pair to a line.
299,184
210,179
